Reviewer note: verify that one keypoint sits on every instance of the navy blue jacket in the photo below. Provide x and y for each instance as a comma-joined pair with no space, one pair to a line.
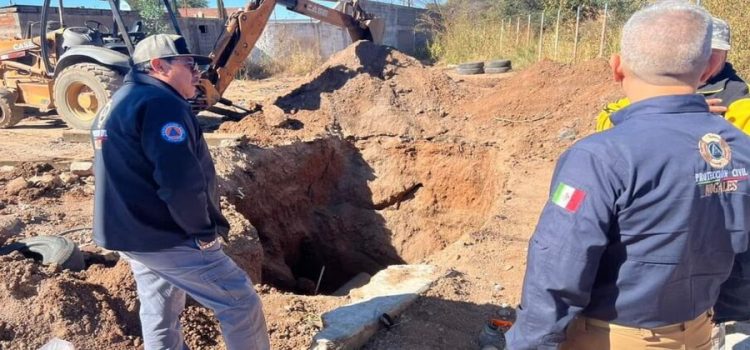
155,180
643,223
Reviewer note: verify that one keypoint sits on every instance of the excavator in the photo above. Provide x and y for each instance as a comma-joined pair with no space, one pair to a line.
75,70
245,27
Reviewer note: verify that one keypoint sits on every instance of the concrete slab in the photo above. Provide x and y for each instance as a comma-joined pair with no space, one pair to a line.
390,291
82,136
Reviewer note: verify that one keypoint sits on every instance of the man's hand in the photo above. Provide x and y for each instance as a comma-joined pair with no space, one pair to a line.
714,106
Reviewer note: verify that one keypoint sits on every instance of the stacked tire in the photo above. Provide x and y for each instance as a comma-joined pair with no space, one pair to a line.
470,68
489,67
497,66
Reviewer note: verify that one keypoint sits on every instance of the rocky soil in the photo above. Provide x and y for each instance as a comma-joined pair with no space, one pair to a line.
372,160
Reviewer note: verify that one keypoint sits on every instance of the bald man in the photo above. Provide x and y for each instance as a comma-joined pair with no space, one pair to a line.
643,220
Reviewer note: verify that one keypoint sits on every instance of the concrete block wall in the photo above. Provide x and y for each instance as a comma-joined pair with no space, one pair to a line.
201,33
326,39
278,37
15,19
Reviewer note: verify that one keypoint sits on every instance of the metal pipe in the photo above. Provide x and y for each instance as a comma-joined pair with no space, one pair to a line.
46,65
121,24
317,286
60,11
172,18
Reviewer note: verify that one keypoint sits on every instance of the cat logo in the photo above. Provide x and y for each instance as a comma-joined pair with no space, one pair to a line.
715,151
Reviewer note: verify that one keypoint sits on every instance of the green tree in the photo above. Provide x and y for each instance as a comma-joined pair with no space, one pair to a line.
154,16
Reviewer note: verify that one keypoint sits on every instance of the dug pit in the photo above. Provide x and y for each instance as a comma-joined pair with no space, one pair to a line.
364,183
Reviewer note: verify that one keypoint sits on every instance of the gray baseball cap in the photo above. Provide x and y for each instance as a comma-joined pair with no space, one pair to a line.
164,46
721,36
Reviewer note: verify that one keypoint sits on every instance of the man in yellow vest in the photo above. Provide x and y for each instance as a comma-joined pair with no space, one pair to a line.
725,91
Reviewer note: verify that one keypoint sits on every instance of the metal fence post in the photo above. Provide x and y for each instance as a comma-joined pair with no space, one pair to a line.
604,30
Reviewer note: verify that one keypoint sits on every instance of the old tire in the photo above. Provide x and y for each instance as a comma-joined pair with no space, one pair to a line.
81,90
51,249
471,65
496,70
469,71
497,64
10,114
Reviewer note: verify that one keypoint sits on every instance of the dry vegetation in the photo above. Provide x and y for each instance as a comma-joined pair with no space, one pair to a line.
465,34
735,12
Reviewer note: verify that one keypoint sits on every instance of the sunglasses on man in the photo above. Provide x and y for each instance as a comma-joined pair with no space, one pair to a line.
190,65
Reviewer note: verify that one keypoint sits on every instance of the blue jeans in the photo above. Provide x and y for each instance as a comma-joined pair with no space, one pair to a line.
210,277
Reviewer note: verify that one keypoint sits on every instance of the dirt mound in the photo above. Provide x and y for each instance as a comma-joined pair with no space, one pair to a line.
401,151
39,300
548,90
351,94
372,160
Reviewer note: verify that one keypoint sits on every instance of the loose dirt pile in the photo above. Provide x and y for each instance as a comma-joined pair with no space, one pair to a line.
372,160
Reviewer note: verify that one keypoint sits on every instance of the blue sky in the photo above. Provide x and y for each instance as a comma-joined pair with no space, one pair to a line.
279,13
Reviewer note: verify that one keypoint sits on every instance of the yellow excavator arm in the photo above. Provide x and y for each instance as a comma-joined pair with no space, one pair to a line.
244,28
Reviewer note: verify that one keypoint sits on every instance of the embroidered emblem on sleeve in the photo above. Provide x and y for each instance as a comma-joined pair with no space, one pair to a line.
568,197
173,132
99,137
721,180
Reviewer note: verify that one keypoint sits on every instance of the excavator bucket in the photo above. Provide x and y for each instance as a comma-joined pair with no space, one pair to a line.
376,29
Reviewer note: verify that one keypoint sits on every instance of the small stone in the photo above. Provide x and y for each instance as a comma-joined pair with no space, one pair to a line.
274,116
15,186
10,225
110,256
69,178
229,143
7,168
89,189
508,267
82,168
567,135
46,181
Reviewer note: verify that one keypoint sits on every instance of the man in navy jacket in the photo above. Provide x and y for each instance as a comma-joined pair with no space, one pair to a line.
645,219
156,201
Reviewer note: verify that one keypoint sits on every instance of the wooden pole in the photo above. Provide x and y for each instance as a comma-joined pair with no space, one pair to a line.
518,30
575,42
557,31
541,38
502,34
528,31
604,31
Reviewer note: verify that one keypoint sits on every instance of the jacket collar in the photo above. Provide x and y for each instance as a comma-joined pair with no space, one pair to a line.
676,104
142,78
719,82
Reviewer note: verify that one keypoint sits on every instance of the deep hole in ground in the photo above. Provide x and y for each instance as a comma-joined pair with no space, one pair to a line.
312,207
382,171
321,203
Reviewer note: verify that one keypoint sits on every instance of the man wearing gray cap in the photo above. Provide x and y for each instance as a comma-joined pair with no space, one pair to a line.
156,201
725,91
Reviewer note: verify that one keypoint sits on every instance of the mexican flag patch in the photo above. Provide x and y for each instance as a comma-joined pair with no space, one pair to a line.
568,197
